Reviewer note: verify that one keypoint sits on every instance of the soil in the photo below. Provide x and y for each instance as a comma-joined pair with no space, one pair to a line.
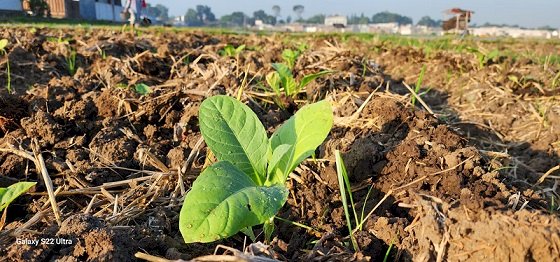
461,184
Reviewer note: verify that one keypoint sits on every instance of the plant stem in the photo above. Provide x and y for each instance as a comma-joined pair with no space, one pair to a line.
341,171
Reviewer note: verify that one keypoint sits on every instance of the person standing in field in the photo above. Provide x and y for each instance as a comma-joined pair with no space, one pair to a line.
132,7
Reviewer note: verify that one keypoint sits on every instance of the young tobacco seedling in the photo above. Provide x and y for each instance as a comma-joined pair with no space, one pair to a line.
3,44
246,187
290,57
283,78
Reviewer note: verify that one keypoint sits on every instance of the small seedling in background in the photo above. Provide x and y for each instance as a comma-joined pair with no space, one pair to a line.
3,44
483,57
556,80
142,89
290,57
344,186
418,85
231,51
121,86
59,40
71,62
102,54
282,78
9,194
246,187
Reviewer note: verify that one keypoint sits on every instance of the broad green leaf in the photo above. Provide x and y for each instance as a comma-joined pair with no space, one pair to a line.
305,131
8,194
3,43
142,89
234,133
278,153
308,78
273,80
223,201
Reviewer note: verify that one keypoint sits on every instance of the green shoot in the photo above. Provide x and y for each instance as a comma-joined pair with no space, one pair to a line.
342,178
3,44
290,57
364,68
388,251
71,62
364,209
268,229
418,85
555,80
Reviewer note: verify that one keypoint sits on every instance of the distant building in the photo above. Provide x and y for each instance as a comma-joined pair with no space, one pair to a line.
336,21
515,32
108,10
59,8
405,29
10,5
386,28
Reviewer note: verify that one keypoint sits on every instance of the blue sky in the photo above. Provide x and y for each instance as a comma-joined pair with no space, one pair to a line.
522,12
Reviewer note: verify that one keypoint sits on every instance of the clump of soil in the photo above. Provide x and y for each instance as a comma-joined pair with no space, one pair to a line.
80,237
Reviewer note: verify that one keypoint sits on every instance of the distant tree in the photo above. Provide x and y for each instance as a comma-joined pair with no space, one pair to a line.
354,19
388,17
151,11
191,18
363,19
263,16
163,12
205,14
316,19
288,19
234,19
298,9
159,12
276,11
429,22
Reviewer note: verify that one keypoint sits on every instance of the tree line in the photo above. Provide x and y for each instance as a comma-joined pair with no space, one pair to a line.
202,15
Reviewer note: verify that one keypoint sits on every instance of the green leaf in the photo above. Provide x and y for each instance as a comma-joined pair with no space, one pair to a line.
239,49
234,133
290,56
305,131
278,153
7,195
223,201
273,80
3,43
286,78
142,89
308,78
